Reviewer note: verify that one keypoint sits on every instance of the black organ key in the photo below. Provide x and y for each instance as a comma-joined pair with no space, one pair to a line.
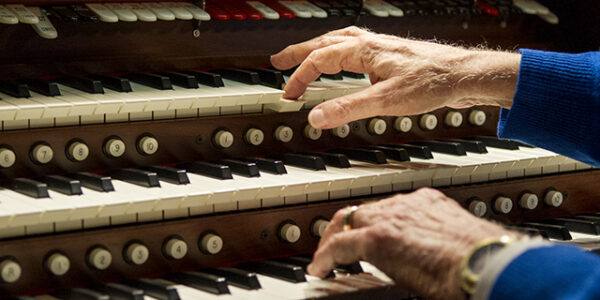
85,84
274,166
207,169
80,294
451,148
46,88
206,78
492,141
171,175
578,225
63,185
158,82
276,269
121,292
302,262
594,217
30,188
353,268
155,288
206,282
64,13
240,75
397,154
335,160
14,88
101,183
304,161
238,277
22,298
366,155
137,177
472,145
181,79
85,14
417,151
244,168
269,77
114,83
336,76
558,232
353,75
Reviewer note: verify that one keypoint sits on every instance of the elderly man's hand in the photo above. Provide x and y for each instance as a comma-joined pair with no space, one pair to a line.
409,77
418,239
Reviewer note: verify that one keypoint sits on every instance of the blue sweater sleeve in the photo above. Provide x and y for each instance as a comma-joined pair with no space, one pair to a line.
550,273
557,104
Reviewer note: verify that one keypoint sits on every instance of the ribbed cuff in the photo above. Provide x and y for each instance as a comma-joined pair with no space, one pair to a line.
557,104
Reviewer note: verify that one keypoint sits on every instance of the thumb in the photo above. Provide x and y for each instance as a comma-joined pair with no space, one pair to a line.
372,101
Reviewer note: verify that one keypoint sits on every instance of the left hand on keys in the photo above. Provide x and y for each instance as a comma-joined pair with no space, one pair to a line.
418,239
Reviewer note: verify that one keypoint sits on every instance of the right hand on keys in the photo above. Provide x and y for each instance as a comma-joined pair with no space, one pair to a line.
408,77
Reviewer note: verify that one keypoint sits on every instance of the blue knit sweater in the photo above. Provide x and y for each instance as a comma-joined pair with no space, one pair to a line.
556,107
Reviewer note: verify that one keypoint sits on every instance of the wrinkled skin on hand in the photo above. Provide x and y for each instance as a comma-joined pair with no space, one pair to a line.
408,77
418,239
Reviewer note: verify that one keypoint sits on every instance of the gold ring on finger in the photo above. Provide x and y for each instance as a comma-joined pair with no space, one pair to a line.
347,221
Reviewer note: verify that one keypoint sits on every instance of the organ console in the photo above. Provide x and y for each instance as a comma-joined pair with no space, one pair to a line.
146,149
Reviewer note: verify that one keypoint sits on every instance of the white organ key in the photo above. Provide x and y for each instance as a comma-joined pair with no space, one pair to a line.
55,107
103,12
180,12
332,88
108,203
315,11
299,10
161,12
43,27
143,14
525,6
203,191
27,109
108,103
140,199
266,11
539,8
550,17
171,196
7,16
123,13
288,290
284,105
392,10
375,8
198,13
7,111
23,14
80,106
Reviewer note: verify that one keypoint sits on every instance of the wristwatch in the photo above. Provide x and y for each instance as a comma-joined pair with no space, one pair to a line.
473,264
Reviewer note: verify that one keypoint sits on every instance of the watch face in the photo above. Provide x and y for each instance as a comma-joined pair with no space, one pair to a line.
481,256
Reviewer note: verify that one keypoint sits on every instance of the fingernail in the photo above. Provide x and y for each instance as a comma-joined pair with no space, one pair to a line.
316,118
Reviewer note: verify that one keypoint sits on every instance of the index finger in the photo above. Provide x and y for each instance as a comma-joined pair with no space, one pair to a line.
293,55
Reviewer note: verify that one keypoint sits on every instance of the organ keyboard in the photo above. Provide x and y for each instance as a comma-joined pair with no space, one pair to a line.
146,151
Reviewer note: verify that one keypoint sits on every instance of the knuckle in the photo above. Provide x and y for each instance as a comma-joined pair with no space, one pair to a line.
338,216
341,108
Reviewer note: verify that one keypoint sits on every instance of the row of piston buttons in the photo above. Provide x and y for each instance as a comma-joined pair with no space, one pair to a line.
136,253
504,205
99,258
375,126
77,150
